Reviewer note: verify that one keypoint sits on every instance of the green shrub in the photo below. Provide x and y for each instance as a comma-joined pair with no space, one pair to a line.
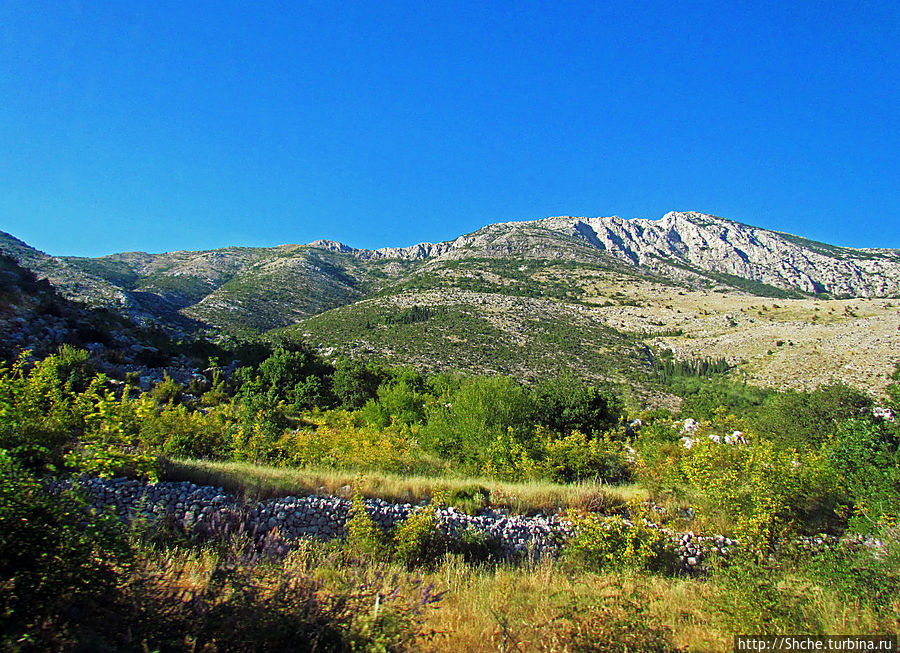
754,488
613,542
364,538
38,410
566,403
577,457
417,540
399,402
167,391
807,419
465,420
865,456
860,574
110,460
58,570
354,383
508,457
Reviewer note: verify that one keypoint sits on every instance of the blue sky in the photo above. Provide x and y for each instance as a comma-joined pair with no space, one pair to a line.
192,125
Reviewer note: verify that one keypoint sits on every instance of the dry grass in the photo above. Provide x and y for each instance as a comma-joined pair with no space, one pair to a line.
550,606
261,482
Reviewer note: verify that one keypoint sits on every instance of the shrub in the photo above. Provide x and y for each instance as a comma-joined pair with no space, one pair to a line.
398,402
807,418
417,540
57,569
167,391
866,458
466,420
565,404
364,538
354,383
508,458
754,488
576,457
38,410
612,542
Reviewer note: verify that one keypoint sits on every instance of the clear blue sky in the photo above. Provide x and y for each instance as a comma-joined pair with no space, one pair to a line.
187,125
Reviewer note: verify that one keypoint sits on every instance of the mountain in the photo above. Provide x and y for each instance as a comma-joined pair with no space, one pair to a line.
599,295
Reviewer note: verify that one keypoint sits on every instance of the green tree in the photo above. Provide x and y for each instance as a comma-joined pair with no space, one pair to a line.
463,423
354,383
565,403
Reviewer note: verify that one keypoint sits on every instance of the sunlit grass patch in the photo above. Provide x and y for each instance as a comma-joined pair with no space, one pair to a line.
262,481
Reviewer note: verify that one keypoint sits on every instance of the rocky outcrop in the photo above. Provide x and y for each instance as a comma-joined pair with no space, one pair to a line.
716,245
699,242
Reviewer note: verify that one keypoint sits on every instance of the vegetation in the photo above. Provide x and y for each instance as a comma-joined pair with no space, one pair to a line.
764,467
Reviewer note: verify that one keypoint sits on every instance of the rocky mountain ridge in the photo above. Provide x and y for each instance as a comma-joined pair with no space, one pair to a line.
681,240
257,289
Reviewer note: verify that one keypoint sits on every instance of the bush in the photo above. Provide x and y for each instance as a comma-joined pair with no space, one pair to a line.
508,457
577,457
755,489
417,540
865,455
807,419
58,570
167,391
613,542
565,404
354,383
38,410
364,538
464,422
399,401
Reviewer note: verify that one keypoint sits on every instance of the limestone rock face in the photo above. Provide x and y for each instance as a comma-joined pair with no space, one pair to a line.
716,245
678,240
691,240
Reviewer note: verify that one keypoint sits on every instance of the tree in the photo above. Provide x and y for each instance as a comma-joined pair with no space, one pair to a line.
565,404
465,422
354,383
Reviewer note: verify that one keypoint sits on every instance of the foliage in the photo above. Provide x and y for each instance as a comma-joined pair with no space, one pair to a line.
507,457
417,541
576,457
54,563
703,397
108,461
755,488
893,390
37,407
861,574
866,457
400,400
463,423
354,383
565,403
613,542
364,538
167,391
808,418
177,431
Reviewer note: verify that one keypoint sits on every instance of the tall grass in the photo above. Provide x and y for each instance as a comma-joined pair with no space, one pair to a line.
261,481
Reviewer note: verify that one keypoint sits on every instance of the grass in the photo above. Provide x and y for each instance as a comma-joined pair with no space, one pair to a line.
261,481
549,606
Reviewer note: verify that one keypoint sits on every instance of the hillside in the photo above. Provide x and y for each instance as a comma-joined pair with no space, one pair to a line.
598,295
